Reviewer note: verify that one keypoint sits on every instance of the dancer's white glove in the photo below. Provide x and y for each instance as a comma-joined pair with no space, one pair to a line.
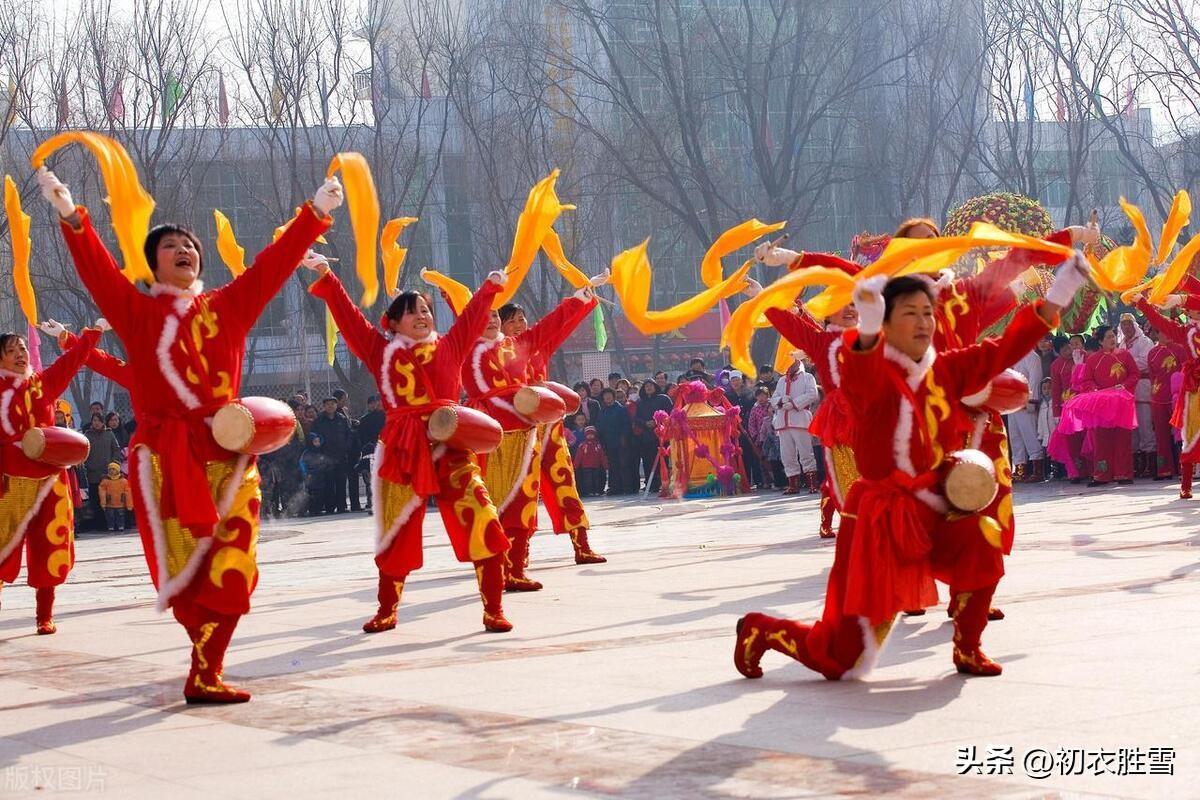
498,277
103,325
1173,301
585,294
753,288
601,279
315,261
1085,234
868,299
774,256
56,192
329,195
1068,280
52,328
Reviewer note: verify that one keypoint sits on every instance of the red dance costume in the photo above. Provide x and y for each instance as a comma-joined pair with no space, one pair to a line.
833,423
496,370
197,504
415,378
1162,362
36,512
888,545
1111,447
1186,414
559,493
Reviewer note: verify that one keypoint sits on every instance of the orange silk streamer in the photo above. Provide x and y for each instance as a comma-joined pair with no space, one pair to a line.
1177,220
542,208
18,226
363,203
781,294
1173,274
393,254
731,240
1125,267
131,206
331,333
456,294
912,256
552,247
232,253
631,278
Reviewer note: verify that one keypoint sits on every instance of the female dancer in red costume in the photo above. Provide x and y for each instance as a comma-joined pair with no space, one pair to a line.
893,376
417,372
197,504
498,368
557,481
36,513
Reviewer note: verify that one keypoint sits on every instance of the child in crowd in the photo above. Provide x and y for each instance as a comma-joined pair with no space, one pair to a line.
591,464
115,497
575,434
760,429
1046,423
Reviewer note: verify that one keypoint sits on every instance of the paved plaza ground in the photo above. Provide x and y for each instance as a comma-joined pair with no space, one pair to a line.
618,679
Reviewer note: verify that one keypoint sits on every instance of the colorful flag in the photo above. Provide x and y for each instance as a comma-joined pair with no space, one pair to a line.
599,329
14,102
725,315
1030,111
116,102
172,92
331,332
276,101
35,347
222,102
64,108
1060,103
1128,109
426,92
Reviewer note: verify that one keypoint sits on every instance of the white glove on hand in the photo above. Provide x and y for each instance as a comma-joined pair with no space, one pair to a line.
1069,278
52,328
498,277
601,279
103,325
868,299
1085,234
1078,356
328,196
585,294
1173,301
753,288
774,256
56,192
315,261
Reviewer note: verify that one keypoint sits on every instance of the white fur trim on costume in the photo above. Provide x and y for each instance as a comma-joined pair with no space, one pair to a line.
385,378
19,535
482,346
914,370
833,481
902,452
165,340
18,377
168,586
870,654
834,371
387,537
376,461
235,485
526,463
6,398
408,341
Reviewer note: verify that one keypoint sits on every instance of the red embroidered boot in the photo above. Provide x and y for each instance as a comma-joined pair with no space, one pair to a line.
826,529
583,551
490,575
813,487
793,486
390,590
970,618
1185,482
517,560
758,633
210,639
45,611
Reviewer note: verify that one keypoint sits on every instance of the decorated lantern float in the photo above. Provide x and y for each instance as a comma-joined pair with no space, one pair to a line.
699,439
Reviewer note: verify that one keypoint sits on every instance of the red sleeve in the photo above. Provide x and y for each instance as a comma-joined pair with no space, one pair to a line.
1167,327
800,331
824,260
118,299
243,299
546,336
1004,271
363,339
1085,376
1132,373
972,367
862,383
100,362
469,325
57,377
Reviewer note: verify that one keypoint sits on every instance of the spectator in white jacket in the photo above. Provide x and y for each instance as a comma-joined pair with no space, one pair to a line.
795,394
1028,455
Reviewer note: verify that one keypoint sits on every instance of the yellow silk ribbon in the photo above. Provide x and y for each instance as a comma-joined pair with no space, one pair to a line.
731,240
18,227
1177,219
631,278
232,253
1168,280
331,333
781,294
542,208
457,294
552,247
393,254
131,206
913,256
363,204
1125,267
